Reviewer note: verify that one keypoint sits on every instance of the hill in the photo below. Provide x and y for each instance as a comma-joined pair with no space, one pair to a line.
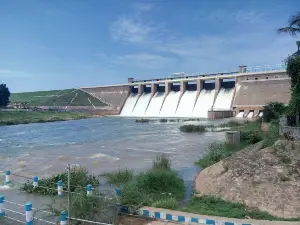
71,97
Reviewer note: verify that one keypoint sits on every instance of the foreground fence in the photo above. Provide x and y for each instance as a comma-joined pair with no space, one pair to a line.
13,213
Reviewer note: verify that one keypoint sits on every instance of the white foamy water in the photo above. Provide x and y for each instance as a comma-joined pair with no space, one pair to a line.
204,103
250,115
224,99
261,114
129,105
240,115
170,104
186,104
155,105
141,105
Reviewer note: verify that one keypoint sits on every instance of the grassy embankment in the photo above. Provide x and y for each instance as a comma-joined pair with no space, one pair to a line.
23,117
71,97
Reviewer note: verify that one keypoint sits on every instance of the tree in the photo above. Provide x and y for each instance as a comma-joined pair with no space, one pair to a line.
273,110
4,95
293,70
293,25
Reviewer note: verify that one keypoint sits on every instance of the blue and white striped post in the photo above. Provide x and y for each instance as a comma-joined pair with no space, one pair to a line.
2,213
29,214
89,189
63,218
35,182
7,177
59,188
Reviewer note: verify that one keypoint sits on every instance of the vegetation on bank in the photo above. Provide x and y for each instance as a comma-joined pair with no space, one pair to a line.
158,187
79,179
250,133
25,117
215,206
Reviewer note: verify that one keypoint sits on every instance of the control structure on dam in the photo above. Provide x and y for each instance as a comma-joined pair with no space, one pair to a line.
241,94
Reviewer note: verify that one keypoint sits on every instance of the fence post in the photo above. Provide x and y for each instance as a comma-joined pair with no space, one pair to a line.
28,214
59,187
7,177
2,213
63,218
89,189
35,181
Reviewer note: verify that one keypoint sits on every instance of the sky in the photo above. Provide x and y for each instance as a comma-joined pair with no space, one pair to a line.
58,44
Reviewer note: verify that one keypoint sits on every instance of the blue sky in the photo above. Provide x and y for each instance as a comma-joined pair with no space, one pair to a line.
55,44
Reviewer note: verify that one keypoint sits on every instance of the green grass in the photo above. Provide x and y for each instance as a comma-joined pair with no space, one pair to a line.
216,152
56,98
250,134
118,177
215,206
23,117
142,120
79,179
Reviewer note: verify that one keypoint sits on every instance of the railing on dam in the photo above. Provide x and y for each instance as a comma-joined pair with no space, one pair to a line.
245,70
266,68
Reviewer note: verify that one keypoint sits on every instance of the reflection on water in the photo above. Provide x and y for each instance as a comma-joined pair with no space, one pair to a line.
100,144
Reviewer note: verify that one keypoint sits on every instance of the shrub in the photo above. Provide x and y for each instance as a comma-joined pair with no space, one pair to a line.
162,162
79,179
273,110
192,128
251,137
119,177
153,186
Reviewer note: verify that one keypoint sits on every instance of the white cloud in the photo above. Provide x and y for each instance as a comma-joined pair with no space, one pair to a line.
203,53
134,30
144,60
143,6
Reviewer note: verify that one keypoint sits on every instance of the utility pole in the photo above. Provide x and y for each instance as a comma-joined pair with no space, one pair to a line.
69,192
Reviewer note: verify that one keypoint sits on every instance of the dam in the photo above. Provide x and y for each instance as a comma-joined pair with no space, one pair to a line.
240,94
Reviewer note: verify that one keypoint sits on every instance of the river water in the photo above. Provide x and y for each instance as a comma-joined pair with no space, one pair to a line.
99,144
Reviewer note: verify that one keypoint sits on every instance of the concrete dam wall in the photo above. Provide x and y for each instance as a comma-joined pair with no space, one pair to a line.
243,94
114,96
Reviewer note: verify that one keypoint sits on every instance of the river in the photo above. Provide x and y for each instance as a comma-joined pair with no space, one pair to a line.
99,144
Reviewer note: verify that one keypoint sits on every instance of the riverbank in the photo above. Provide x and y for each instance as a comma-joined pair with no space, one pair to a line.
25,117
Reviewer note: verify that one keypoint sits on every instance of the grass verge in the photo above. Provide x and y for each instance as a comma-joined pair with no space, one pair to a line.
215,206
118,177
21,117
192,128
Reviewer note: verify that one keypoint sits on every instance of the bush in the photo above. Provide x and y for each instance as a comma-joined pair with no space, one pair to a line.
119,177
162,162
192,128
251,137
153,186
273,110
79,179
